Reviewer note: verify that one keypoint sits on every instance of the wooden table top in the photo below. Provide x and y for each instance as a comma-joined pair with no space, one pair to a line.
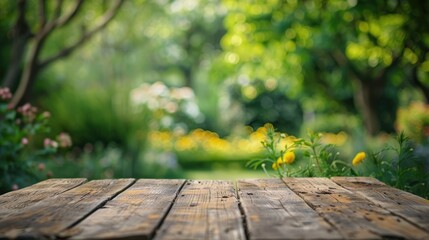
292,208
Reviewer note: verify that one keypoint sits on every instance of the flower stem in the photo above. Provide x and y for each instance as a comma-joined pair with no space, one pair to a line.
317,158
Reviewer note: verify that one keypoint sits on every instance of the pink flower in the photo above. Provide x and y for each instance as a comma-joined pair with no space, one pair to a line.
15,187
24,141
24,108
48,143
28,111
64,140
41,167
5,94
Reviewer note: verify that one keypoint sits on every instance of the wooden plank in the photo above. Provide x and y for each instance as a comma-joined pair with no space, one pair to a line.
22,198
411,207
48,217
133,214
204,210
354,216
273,211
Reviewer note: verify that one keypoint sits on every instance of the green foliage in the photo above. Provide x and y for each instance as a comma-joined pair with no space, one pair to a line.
21,153
333,123
100,161
94,114
313,157
7,14
328,54
414,121
263,103
396,165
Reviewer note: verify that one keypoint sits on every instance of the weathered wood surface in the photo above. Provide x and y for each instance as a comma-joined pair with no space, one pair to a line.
398,202
12,201
204,210
291,208
275,212
47,218
354,216
135,213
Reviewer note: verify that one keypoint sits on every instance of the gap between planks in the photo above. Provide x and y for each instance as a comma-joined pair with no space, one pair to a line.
242,211
135,213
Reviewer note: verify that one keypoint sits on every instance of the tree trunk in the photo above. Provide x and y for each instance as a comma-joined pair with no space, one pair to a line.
31,68
35,64
17,57
21,34
366,98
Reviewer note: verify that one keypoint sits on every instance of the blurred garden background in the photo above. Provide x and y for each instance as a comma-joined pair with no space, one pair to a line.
183,88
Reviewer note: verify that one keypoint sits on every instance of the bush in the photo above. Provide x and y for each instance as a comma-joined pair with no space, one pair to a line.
22,152
396,164
414,121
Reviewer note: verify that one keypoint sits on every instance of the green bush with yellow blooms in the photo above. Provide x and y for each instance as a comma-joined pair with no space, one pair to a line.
289,156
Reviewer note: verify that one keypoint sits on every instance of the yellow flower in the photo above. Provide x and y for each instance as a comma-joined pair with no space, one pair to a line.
358,158
289,157
275,166
280,161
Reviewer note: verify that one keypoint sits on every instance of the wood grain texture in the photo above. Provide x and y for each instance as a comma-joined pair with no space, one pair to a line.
22,198
292,208
273,211
354,216
411,207
133,214
48,217
204,210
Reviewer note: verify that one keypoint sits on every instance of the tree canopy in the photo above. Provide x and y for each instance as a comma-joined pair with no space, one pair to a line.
356,55
248,62
33,26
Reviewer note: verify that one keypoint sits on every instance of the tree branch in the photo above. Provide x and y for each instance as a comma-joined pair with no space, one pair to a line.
58,10
59,22
105,19
42,13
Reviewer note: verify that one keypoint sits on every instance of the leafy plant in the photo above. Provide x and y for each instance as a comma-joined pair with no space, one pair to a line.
396,165
22,154
281,151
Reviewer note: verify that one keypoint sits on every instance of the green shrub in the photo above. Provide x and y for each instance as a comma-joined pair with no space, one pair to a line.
414,121
22,152
396,164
